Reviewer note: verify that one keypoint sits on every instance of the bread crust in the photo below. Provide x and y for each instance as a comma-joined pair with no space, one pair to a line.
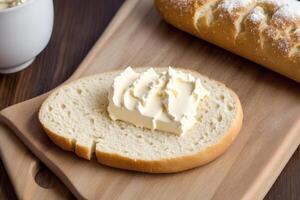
177,164
65,143
172,165
265,41
69,144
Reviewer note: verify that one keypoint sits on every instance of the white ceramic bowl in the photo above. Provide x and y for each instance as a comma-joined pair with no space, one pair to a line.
25,31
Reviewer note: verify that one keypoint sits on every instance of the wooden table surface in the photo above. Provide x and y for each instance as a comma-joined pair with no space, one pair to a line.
78,24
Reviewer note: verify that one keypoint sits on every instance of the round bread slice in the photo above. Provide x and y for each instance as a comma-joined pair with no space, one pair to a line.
75,118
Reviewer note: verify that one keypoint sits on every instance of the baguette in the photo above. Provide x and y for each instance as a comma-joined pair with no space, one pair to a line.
75,118
264,31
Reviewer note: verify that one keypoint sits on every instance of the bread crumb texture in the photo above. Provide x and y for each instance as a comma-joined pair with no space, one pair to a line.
78,111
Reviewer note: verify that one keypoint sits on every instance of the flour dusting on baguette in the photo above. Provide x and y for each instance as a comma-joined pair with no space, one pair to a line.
287,14
184,5
233,5
264,31
257,15
75,117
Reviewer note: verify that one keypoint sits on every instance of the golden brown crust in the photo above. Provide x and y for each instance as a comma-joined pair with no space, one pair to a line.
265,32
63,142
68,144
83,152
178,164
181,17
171,165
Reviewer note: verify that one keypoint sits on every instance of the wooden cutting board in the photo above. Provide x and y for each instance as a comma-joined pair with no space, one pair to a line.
138,37
29,178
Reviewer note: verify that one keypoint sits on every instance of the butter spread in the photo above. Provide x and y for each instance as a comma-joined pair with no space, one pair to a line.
166,101
10,3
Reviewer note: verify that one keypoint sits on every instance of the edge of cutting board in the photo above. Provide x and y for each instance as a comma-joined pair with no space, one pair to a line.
22,168
24,184
258,190
31,163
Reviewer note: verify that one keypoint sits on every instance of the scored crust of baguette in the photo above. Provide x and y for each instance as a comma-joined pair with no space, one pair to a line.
264,31
57,126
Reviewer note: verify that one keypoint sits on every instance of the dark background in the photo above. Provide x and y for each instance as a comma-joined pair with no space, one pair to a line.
78,24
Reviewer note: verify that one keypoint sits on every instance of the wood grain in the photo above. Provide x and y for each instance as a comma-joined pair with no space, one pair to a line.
88,19
31,180
286,187
260,158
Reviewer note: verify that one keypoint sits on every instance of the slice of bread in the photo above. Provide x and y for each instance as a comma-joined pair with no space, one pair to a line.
75,117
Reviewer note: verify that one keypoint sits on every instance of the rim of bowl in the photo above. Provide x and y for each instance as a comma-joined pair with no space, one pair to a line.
28,2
